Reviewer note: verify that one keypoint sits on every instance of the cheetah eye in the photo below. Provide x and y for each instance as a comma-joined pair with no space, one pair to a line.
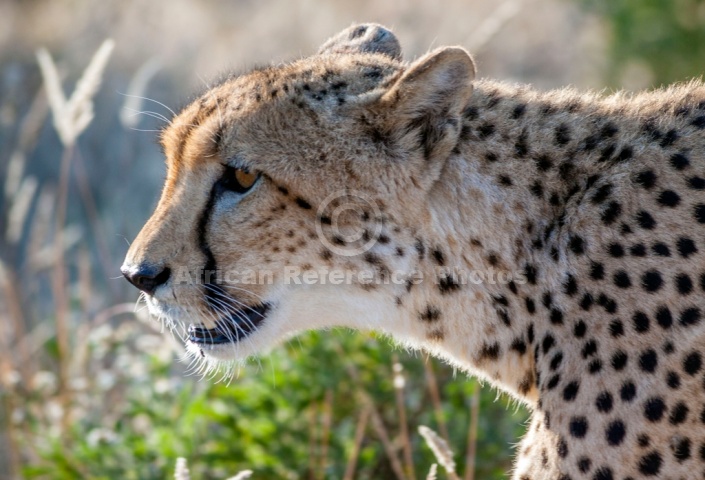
237,180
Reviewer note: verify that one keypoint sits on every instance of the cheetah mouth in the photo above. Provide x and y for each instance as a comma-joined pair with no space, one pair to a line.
231,328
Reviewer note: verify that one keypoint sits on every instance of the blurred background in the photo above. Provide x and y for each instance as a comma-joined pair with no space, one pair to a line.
89,385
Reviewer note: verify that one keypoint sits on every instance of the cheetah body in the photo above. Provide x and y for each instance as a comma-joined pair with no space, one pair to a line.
588,212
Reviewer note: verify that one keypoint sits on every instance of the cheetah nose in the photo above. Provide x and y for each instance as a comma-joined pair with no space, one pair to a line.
146,277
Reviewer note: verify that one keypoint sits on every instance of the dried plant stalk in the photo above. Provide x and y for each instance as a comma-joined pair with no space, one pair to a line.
360,428
325,432
399,383
72,116
471,451
377,422
435,398
440,449
181,471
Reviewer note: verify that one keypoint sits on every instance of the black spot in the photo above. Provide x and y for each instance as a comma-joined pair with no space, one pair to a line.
420,248
580,329
471,113
619,360
504,180
537,189
562,448
664,317
584,464
661,249
679,413
604,402
491,157
602,193
697,183
610,214
645,220
648,361
699,212
621,279
543,163
570,391
679,161
556,361
530,305
684,284
303,203
597,271
578,427
627,392
608,130
490,352
646,179
616,328
607,303
589,349
562,134
650,464
438,257
607,152
570,286
616,250
669,138
692,363
652,281
690,316
431,314
669,198
673,380
448,284
681,450
638,250
519,346
654,409
641,322
586,302
553,381
699,122
530,272
686,247
485,130
548,343
518,111
577,245
615,432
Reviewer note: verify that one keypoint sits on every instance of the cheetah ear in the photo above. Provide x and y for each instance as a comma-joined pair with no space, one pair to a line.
363,38
424,105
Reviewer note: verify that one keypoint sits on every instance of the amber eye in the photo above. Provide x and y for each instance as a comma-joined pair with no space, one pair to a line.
237,180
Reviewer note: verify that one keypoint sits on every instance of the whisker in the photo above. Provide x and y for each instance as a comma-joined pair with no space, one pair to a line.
149,99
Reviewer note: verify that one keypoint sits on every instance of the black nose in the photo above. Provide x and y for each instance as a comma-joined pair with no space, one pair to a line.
146,277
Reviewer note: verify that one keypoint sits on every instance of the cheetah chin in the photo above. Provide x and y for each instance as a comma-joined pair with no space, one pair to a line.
550,243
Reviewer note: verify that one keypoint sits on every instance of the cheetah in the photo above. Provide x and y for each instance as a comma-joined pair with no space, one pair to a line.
551,243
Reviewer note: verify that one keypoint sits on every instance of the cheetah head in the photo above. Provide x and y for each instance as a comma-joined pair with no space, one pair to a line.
284,175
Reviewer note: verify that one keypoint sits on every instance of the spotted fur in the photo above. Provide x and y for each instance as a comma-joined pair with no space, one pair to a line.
589,211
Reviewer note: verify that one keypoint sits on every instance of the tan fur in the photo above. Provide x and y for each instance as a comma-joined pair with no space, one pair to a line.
591,208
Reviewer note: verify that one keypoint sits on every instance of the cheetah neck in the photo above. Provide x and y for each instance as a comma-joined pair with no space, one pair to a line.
523,164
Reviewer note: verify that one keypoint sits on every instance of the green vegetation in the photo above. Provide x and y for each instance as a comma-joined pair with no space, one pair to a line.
666,36
293,415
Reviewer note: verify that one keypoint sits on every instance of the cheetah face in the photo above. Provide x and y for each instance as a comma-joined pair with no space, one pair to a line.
299,168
